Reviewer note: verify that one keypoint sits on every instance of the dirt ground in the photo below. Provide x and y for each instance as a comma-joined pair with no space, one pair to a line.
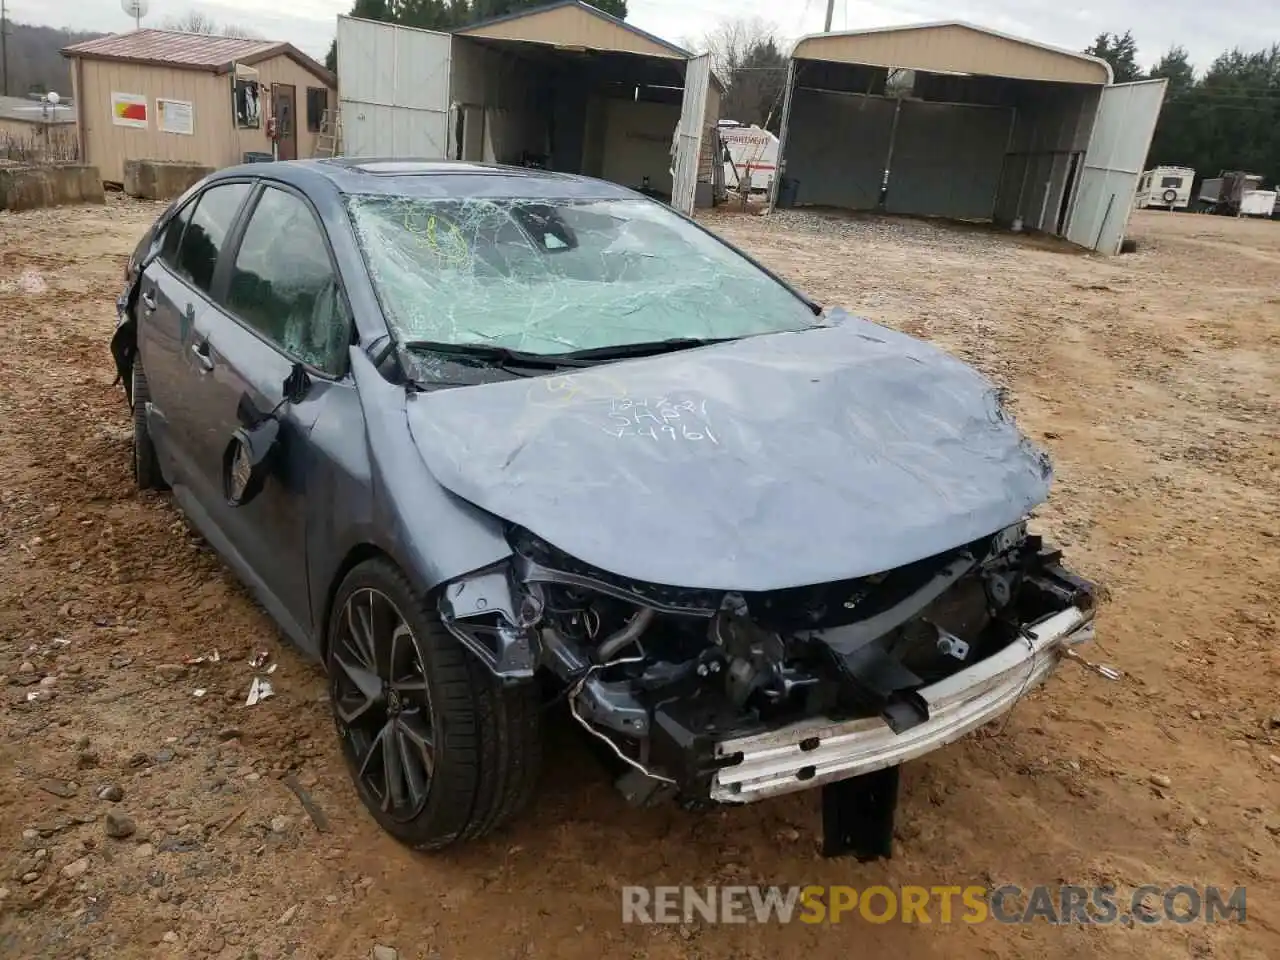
1154,380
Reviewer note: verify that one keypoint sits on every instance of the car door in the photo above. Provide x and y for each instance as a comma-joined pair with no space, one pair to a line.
279,303
175,292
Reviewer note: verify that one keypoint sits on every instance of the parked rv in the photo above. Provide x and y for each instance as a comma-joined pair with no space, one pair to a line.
1165,187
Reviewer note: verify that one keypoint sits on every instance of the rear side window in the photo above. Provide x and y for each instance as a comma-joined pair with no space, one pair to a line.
284,286
215,211
173,234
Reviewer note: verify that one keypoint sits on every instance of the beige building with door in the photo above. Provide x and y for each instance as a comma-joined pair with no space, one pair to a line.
163,95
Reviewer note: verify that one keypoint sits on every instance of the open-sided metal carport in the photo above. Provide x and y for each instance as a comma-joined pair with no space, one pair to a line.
957,121
565,86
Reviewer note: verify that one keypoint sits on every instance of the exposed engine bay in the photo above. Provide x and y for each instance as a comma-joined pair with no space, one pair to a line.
662,675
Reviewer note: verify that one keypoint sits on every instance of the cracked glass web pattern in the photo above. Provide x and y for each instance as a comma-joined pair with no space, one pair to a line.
553,276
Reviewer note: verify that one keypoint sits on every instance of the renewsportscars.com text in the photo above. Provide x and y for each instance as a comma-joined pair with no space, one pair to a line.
1145,905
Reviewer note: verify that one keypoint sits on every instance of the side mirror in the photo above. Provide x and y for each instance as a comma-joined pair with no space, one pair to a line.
296,385
247,461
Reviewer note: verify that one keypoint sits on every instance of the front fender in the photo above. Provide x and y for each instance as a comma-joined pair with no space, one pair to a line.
124,341
386,498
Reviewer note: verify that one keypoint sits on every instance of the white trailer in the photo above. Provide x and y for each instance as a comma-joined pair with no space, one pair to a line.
1168,188
1236,194
753,156
1257,203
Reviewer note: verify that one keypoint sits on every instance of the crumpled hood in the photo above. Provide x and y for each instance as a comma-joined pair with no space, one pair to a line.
764,463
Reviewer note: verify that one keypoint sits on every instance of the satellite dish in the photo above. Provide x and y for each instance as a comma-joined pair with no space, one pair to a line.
136,9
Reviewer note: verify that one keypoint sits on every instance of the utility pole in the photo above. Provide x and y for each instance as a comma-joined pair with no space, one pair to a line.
4,44
831,9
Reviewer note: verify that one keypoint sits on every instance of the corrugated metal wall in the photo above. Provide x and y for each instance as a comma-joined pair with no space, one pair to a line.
1125,122
496,90
691,133
394,87
1053,126
947,159
836,149
637,143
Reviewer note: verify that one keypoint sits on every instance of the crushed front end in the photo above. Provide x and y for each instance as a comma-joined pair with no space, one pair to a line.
733,697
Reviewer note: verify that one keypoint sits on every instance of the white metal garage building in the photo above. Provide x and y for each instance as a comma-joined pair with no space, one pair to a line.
957,121
564,86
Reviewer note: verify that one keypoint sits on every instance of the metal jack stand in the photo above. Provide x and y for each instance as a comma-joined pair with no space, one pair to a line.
857,815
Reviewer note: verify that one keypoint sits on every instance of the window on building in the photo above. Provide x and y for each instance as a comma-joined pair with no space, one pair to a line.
317,104
202,240
284,286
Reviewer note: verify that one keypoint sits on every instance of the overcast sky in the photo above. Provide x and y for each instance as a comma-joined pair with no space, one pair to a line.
1204,28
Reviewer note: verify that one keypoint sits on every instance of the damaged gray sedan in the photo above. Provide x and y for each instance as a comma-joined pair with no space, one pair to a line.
469,432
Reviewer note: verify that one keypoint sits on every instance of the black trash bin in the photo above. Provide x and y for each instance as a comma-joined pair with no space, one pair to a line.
788,190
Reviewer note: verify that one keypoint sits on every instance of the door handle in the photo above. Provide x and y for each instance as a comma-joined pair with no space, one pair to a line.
201,350
149,301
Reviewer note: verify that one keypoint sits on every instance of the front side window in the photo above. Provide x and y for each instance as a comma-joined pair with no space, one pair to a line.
215,212
283,284
557,276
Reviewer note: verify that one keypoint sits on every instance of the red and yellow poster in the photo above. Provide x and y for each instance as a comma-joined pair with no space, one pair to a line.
129,110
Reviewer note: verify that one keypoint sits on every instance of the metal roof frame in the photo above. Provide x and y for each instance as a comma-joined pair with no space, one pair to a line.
264,50
586,8
934,24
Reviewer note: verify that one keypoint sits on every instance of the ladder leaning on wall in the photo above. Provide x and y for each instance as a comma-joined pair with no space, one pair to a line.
329,138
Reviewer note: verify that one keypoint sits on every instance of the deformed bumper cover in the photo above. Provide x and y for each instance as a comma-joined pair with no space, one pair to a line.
814,752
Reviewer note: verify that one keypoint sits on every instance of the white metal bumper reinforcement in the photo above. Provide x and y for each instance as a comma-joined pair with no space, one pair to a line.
813,752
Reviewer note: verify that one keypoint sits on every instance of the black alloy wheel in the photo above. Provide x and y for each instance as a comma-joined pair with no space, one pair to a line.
438,748
383,704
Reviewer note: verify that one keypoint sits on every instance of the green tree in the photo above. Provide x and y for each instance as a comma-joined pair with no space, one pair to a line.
1227,119
1119,50
755,88
365,10
747,56
1175,66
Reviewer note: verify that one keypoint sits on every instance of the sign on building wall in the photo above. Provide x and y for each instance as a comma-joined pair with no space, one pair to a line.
175,116
129,110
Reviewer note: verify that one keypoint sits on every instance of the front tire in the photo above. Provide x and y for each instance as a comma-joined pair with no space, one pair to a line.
146,465
438,749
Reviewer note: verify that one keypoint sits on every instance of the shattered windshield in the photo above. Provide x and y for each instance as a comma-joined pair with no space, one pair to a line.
555,276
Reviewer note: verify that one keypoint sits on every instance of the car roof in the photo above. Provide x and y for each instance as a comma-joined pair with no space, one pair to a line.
429,178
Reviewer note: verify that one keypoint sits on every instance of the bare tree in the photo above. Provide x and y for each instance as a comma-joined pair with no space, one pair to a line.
196,22
730,42
749,57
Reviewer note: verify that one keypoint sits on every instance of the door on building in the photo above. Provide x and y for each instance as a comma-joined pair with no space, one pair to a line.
1122,131
688,145
284,109
393,90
